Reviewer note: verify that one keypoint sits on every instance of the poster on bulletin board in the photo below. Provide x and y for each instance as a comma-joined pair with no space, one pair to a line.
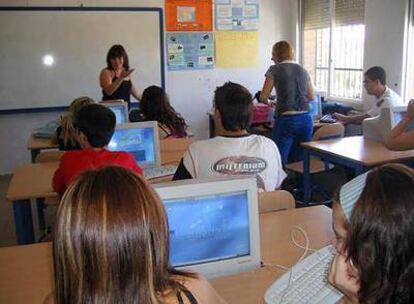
236,49
189,15
237,15
190,51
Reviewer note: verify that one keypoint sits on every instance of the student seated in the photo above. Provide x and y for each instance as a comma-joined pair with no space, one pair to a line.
111,245
66,134
234,151
95,125
375,263
155,105
374,84
399,138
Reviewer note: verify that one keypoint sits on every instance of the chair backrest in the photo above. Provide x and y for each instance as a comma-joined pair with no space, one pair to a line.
275,201
49,156
172,149
329,131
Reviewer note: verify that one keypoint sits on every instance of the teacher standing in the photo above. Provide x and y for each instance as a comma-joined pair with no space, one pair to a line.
115,79
293,123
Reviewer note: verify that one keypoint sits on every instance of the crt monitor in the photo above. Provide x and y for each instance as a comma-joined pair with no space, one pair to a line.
120,109
140,139
315,107
398,114
213,225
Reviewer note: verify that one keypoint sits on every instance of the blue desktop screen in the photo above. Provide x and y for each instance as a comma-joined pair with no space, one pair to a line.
119,112
315,107
208,228
137,141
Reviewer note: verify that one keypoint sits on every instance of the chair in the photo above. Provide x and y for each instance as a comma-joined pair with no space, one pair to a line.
275,201
172,149
49,156
325,132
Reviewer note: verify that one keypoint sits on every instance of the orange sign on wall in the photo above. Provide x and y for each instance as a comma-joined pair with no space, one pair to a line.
189,15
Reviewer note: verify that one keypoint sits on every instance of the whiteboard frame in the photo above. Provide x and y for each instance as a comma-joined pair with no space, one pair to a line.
86,9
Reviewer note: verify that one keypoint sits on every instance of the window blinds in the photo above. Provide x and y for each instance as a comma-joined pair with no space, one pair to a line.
316,13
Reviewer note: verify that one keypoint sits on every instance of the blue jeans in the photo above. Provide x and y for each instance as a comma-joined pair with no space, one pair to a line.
289,131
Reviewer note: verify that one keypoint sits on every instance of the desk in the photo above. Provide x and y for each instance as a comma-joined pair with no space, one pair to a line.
30,267
356,152
36,144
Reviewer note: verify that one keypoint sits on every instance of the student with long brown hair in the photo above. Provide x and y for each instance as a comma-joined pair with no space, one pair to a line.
376,263
111,245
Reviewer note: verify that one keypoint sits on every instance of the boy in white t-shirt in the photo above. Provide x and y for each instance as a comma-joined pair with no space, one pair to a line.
233,152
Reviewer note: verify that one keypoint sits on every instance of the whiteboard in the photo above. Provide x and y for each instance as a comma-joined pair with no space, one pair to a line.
78,39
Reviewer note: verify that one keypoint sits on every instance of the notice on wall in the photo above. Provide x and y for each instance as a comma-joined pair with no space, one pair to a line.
236,49
190,51
189,15
237,15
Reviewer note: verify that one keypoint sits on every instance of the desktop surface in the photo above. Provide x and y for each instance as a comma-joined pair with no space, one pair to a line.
137,141
208,228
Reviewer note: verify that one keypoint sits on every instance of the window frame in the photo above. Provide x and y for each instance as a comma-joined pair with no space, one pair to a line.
331,69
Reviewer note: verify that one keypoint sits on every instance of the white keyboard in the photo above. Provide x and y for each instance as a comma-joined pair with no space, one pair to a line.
155,172
308,282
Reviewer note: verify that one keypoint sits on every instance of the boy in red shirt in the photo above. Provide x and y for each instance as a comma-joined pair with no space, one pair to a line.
96,125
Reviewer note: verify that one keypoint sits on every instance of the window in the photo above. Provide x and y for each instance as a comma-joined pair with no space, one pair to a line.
409,84
333,34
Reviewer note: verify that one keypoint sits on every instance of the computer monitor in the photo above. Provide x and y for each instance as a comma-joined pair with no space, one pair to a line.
120,109
378,128
140,139
213,224
315,107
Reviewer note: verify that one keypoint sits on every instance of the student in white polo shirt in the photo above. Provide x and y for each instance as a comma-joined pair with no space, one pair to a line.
374,84
233,152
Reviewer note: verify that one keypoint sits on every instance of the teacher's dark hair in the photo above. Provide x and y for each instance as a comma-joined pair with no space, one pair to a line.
117,51
380,240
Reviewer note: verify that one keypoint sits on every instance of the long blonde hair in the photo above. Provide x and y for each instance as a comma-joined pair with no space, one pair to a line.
111,243
69,134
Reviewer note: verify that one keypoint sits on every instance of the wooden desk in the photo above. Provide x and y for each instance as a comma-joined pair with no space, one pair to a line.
355,152
36,144
29,275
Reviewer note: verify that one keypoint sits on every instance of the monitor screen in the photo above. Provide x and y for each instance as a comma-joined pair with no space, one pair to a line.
208,228
120,113
137,141
398,116
315,107
213,224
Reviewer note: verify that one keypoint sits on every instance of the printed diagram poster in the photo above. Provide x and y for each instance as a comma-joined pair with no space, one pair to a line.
236,49
237,15
189,15
190,51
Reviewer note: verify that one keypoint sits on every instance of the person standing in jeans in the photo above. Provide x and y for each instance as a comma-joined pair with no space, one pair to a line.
293,123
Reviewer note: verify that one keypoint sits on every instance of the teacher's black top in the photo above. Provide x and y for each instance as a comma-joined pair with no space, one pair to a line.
123,92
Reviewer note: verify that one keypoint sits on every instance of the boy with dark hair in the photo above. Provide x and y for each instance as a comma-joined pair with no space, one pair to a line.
375,84
233,152
96,125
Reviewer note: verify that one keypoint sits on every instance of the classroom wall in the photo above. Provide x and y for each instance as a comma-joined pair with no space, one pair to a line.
385,22
190,91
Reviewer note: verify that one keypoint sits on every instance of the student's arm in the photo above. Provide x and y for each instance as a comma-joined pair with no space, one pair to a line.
266,90
398,139
109,86
58,182
351,119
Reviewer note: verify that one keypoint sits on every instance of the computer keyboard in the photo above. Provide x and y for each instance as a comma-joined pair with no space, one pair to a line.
155,172
308,282
328,118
